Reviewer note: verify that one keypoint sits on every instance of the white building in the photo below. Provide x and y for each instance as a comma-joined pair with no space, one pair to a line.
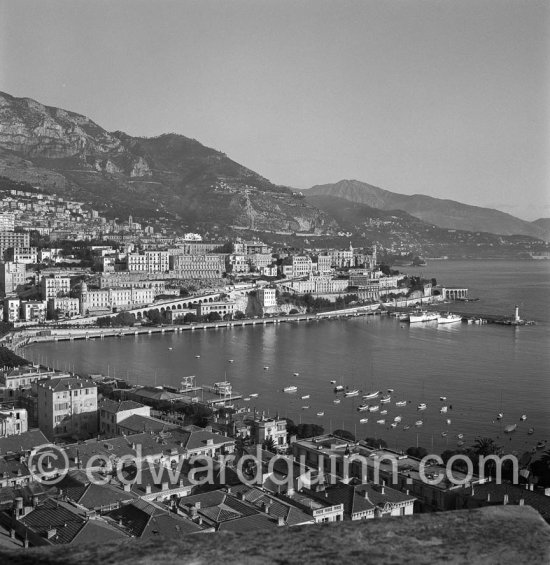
33,310
11,309
13,421
267,297
149,261
12,275
65,306
54,286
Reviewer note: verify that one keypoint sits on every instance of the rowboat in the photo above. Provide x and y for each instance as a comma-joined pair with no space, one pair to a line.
362,408
320,413
374,408
421,406
363,420
305,397
371,395
291,388
381,422
385,399
401,403
418,423
350,393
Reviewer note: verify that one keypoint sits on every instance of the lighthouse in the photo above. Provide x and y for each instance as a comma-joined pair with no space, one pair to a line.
516,315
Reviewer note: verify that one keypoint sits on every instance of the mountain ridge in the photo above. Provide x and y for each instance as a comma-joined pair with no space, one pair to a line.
445,213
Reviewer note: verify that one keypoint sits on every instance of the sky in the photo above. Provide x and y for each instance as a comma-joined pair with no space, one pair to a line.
439,97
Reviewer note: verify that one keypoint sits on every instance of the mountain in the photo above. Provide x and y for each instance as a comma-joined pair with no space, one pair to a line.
443,213
401,233
544,225
169,176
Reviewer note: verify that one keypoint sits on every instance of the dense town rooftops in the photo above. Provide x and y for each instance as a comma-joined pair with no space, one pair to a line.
22,443
66,383
113,407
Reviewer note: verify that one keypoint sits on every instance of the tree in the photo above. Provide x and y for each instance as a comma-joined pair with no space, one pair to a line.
269,444
213,317
104,322
344,434
293,311
309,430
418,452
375,442
483,447
124,319
189,318
239,315
154,316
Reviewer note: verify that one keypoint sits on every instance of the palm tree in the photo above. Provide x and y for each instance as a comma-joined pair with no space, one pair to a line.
269,444
483,447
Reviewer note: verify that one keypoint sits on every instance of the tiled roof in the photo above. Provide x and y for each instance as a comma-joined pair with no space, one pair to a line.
97,531
137,423
515,493
114,407
66,383
248,524
53,514
22,442
95,496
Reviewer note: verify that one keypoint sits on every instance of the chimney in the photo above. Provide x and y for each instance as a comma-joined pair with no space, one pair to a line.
531,486
197,505
473,491
165,486
505,501
147,489
488,497
521,502
280,521
51,533
228,490
383,487
127,487
266,506
240,495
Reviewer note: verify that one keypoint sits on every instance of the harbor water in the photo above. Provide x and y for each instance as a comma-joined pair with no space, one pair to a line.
482,370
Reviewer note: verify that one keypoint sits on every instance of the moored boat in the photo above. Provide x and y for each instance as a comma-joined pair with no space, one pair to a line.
338,388
381,422
383,412
336,401
349,393
374,408
397,419
511,428
443,409
363,420
371,395
320,414
448,318
291,388
394,424
305,397
418,423
385,399
401,403
362,408
523,417
421,406
422,316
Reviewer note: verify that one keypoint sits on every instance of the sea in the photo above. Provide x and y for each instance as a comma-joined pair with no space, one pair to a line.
482,370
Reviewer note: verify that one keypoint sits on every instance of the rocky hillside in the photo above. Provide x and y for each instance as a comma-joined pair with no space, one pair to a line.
443,213
169,175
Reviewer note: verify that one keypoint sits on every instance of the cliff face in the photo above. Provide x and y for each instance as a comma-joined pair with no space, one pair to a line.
169,175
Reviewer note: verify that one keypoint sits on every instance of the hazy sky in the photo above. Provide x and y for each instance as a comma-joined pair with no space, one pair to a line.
447,98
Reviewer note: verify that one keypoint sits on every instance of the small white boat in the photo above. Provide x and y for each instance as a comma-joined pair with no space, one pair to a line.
443,398
523,418
332,382
254,395
390,390
305,407
381,422
362,408
169,349
406,427
460,443
374,408
351,393
296,374
448,421
418,423
266,368
531,431
511,428
460,436
336,401
443,409
305,397
385,399
290,388
500,415
338,388
401,403
371,395
363,420
246,398
397,419
320,414
394,424
230,360
383,412
421,406
197,356
444,434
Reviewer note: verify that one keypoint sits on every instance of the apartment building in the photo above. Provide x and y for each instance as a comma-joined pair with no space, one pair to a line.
54,286
267,297
67,407
26,255
107,299
262,429
297,266
13,239
13,421
33,310
7,221
64,306
12,275
222,308
149,261
11,309
198,266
